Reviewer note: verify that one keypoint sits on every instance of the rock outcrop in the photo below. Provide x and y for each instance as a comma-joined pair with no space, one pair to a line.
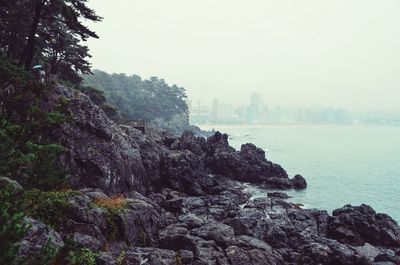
182,201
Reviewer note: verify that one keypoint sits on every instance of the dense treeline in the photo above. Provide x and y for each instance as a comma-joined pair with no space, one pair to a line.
48,32
149,100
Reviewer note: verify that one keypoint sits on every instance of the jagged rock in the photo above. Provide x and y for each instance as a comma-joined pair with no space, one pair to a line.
299,182
191,220
222,234
251,242
37,237
184,201
237,256
155,256
100,154
249,164
105,258
361,224
387,258
139,222
87,241
281,195
190,142
178,242
183,170
151,153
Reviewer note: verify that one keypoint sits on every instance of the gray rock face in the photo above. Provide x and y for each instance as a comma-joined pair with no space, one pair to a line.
139,223
118,159
100,154
38,236
249,164
183,203
361,224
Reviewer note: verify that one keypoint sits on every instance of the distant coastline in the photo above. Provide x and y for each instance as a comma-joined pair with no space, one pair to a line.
217,127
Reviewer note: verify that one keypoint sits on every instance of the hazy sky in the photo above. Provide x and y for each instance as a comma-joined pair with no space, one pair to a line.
342,53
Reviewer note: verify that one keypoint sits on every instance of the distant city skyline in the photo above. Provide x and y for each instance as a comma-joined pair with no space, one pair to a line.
259,112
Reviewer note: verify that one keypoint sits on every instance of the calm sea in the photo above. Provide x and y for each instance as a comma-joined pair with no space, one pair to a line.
342,164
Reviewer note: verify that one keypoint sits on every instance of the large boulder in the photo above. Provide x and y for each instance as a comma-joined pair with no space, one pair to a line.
183,171
357,225
249,164
37,237
139,222
100,154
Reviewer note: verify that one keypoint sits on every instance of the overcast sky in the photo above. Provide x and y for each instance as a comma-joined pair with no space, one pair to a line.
339,53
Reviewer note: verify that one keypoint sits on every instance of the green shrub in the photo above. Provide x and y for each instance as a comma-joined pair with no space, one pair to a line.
51,207
12,225
83,256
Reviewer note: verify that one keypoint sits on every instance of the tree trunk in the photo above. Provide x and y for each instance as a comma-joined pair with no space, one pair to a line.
30,45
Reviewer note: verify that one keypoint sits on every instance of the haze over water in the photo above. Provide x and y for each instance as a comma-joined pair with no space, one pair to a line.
342,164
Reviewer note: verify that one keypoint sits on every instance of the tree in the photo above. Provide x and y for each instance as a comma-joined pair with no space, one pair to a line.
47,30
68,12
63,52
14,24
146,100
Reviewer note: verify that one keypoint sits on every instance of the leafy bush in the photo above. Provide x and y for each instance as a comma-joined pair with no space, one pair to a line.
34,165
83,256
12,225
50,207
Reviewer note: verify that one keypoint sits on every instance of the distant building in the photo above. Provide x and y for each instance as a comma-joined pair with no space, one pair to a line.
200,114
255,108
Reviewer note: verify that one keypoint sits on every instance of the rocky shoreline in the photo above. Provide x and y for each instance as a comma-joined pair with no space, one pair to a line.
154,198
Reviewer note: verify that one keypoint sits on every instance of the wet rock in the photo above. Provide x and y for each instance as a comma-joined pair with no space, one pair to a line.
361,224
281,195
299,182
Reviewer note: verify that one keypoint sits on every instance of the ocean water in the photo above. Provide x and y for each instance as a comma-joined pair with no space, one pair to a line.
342,164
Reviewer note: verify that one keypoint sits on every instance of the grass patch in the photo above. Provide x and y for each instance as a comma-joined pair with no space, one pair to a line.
112,206
115,203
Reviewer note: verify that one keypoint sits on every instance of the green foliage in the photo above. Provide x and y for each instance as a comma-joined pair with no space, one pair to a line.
18,90
25,152
45,172
142,240
82,256
13,208
112,206
98,98
12,225
139,99
49,31
34,165
50,207
121,257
